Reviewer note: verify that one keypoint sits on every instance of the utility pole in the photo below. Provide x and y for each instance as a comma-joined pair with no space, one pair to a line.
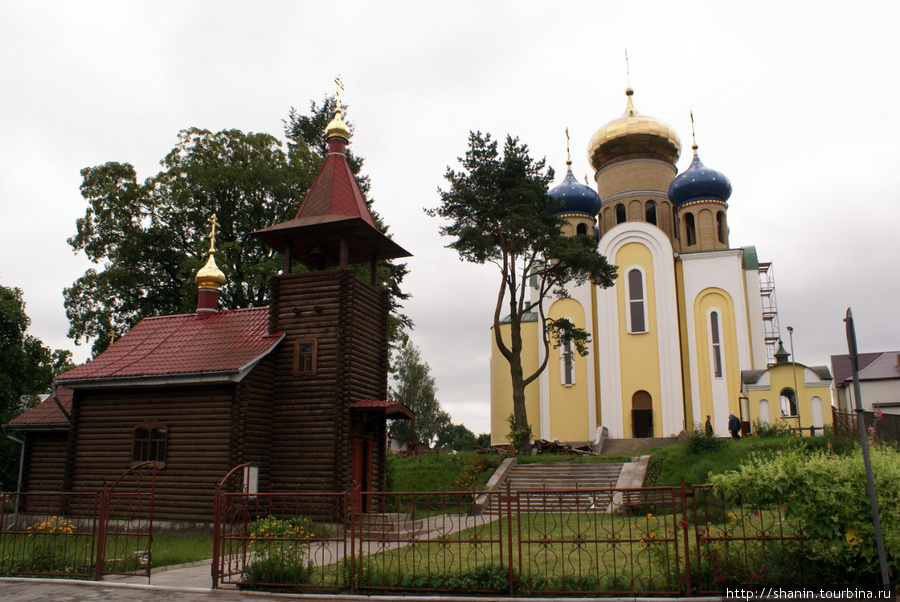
864,443
790,330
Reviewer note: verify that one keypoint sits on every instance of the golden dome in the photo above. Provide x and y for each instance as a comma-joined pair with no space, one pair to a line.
337,127
210,276
633,136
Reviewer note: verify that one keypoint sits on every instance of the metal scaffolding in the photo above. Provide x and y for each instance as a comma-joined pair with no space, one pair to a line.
769,310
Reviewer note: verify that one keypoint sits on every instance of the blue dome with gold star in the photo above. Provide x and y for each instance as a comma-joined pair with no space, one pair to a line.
699,183
576,197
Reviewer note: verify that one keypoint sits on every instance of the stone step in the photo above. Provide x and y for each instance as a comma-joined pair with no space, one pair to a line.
635,447
562,482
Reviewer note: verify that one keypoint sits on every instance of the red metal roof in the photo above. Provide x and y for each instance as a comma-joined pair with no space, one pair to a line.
333,212
46,414
187,344
334,192
390,408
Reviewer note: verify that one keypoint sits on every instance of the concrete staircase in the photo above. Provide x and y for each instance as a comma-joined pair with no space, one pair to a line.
379,524
635,447
556,487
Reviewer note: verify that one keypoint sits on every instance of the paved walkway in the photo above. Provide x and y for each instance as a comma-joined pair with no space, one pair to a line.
22,590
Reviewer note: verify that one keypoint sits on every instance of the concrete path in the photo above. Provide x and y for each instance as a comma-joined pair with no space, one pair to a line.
198,574
22,590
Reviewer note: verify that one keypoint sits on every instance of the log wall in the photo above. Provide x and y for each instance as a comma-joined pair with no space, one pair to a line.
45,454
312,434
198,448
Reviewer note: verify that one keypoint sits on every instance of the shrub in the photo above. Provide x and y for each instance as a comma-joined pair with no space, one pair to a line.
701,442
279,548
827,494
765,430
520,438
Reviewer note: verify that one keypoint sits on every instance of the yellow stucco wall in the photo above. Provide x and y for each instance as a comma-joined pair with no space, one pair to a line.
501,387
569,420
689,417
782,376
707,300
638,353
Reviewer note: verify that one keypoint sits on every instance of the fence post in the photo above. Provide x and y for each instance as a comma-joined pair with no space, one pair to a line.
217,516
101,532
349,516
687,545
510,574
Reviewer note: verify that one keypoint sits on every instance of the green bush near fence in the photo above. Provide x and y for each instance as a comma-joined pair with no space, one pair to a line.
279,552
826,493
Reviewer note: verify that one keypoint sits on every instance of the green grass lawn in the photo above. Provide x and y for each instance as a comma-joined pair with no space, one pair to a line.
178,547
435,471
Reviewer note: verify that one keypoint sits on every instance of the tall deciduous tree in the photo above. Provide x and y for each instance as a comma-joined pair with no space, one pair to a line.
27,368
149,239
500,212
413,386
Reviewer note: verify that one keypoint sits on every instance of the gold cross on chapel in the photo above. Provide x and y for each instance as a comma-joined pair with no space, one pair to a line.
340,87
212,235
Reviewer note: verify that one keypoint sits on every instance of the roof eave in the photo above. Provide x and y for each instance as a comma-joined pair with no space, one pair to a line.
164,380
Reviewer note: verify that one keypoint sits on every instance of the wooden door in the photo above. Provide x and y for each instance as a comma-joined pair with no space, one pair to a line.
362,474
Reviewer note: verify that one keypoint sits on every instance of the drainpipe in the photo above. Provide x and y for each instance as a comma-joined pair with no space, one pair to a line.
21,472
59,405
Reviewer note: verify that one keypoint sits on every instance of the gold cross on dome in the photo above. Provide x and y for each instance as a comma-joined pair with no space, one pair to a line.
212,235
340,88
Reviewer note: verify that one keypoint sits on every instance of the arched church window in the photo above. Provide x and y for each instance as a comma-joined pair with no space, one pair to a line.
620,213
674,222
690,229
637,307
566,359
788,402
650,212
716,343
720,226
581,229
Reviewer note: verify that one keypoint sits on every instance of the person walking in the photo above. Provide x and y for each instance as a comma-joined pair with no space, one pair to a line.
734,425
709,427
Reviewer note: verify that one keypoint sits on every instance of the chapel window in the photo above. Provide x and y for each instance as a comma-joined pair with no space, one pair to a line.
305,357
148,443
788,403
620,213
720,226
581,229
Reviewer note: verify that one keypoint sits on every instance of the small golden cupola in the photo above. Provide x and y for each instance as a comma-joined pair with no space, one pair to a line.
209,278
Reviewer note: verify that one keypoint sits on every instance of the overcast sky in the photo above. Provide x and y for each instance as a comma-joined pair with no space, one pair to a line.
796,102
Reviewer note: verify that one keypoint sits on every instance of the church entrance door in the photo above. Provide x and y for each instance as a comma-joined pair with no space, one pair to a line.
362,474
641,415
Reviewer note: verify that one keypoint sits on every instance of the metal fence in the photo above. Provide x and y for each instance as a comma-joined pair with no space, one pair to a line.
886,428
573,542
80,535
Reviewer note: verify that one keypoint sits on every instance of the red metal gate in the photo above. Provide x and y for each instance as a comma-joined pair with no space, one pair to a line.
125,537
80,535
